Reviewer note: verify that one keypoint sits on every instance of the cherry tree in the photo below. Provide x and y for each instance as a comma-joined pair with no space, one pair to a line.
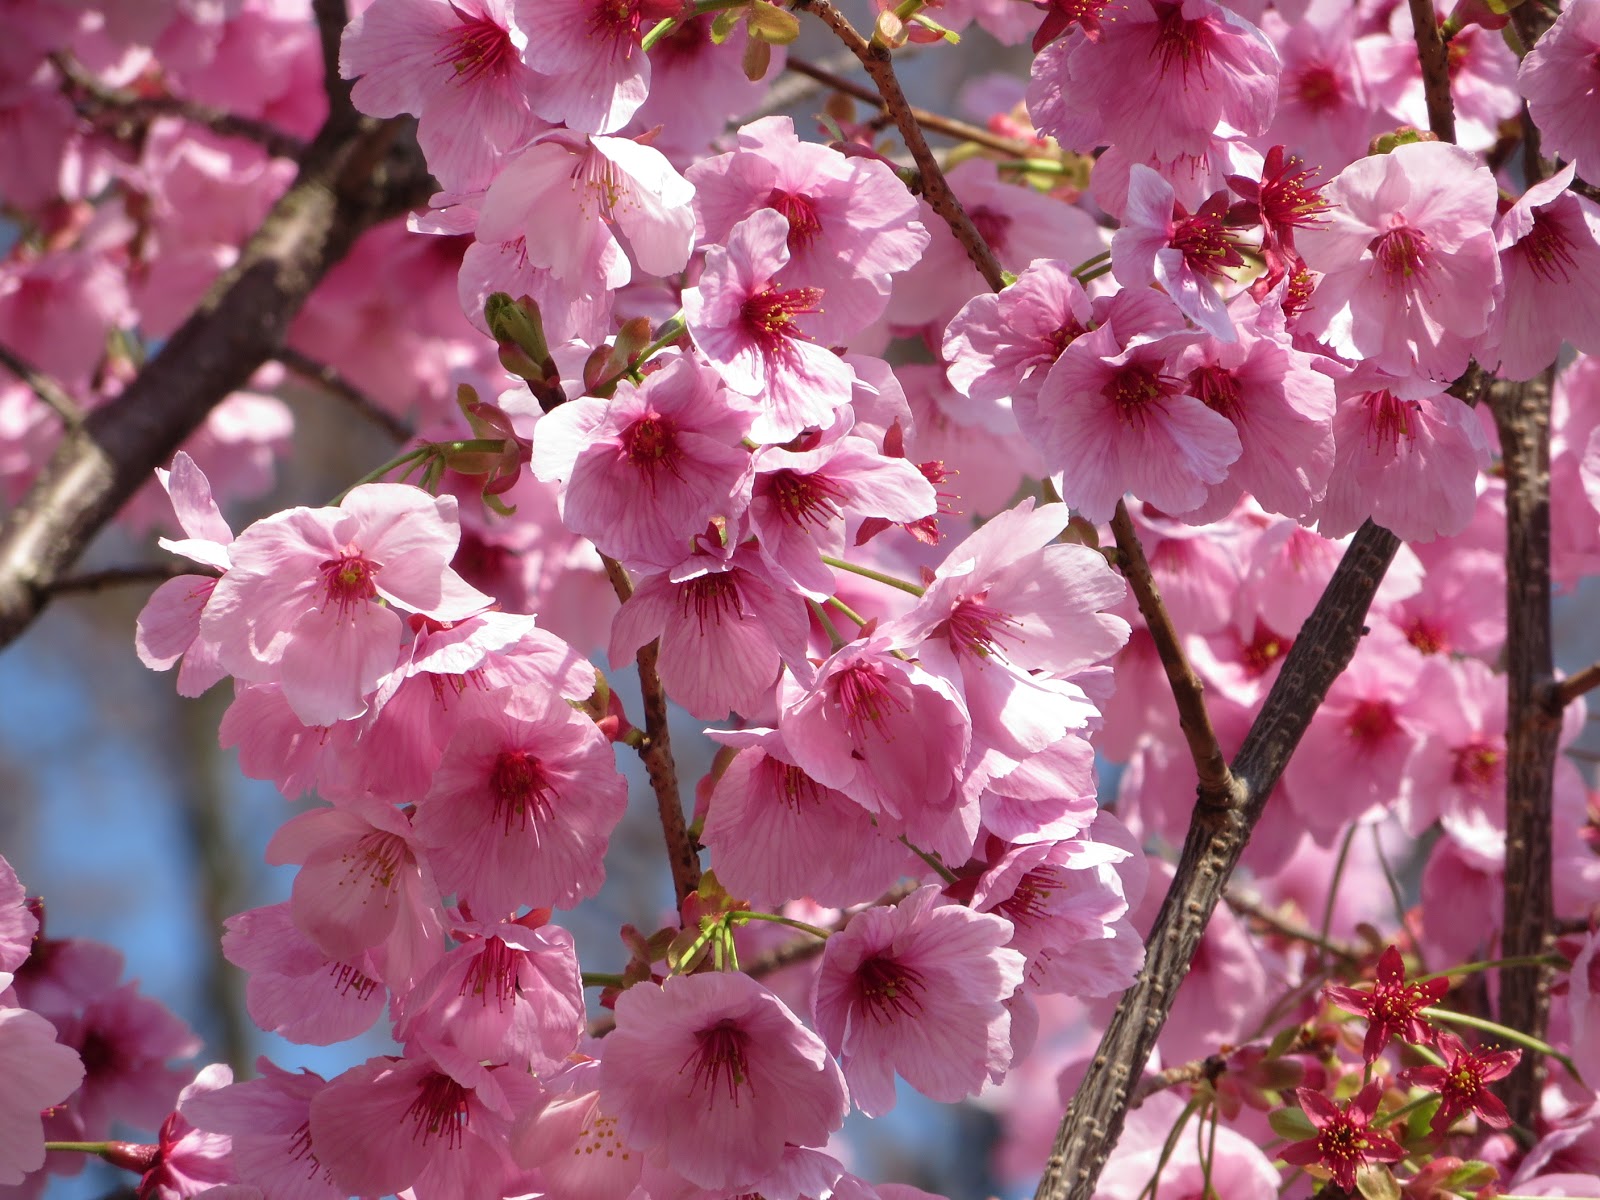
1103,553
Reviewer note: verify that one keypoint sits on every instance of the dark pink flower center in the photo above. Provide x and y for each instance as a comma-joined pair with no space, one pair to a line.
379,856
1402,252
440,1111
1205,245
1464,1080
1371,722
1217,388
888,988
520,789
347,582
1427,636
797,789
864,696
620,21
1548,250
1389,420
1062,336
1030,903
1264,649
975,628
651,446
713,598
721,1059
767,317
1343,1145
478,47
1287,196
801,213
1136,387
1477,765
804,499
1318,86
1183,43
493,975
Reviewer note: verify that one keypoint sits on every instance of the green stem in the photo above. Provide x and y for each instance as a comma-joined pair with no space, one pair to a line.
1394,891
671,330
779,919
846,610
1516,1037
869,573
1333,886
1168,1147
827,624
1090,276
663,28
1405,1110
82,1147
945,872
1090,263
1037,166
1521,960
601,979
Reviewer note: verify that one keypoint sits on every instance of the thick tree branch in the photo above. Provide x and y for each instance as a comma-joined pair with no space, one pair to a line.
1533,726
879,64
351,177
1217,837
1217,787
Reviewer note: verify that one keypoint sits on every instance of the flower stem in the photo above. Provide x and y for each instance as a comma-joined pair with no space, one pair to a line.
601,979
932,860
1516,1037
779,919
1521,960
869,573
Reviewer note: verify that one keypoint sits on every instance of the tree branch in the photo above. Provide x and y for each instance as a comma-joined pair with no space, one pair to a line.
683,854
1217,837
1217,787
322,374
1575,685
1533,725
879,64
1250,906
960,130
352,176
1434,57
43,386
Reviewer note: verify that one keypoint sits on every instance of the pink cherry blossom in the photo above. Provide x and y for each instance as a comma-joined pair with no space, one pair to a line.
1408,260
303,603
753,330
647,470
17,925
1160,242
39,1073
268,1120
459,67
918,990
186,1161
1324,114
1558,79
852,224
715,1075
573,1143
522,805
590,51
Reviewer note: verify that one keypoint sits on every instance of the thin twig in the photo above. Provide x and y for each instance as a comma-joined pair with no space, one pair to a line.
1199,1070
1217,787
1434,57
683,855
1533,726
107,106
1216,839
949,126
879,63
1251,906
321,373
1575,685
800,949
110,577
43,386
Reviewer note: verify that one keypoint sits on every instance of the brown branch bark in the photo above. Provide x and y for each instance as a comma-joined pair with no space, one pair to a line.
352,176
1533,726
1217,837
1434,57
879,64
1576,685
683,854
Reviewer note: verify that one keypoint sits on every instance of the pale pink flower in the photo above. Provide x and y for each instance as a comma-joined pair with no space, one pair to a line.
774,832
1583,1000
715,1075
852,224
1112,418
1459,771
1483,79
573,1143
17,925
1560,79
295,989
39,1073
434,1126
1408,258
1550,258
647,470
918,990
753,330
1407,455
512,995
698,87
363,883
590,51
1324,114
268,1120
522,805
1161,78
458,67
726,627
1227,1165
574,201
185,1161
303,602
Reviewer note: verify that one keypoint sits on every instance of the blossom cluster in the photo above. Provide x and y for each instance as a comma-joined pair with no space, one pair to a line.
747,392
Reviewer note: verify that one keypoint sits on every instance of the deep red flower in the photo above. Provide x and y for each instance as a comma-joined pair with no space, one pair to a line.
1344,1142
1461,1083
1393,1006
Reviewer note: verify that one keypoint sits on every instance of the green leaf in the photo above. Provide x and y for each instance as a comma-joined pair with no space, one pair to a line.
1377,1182
1291,1124
771,24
